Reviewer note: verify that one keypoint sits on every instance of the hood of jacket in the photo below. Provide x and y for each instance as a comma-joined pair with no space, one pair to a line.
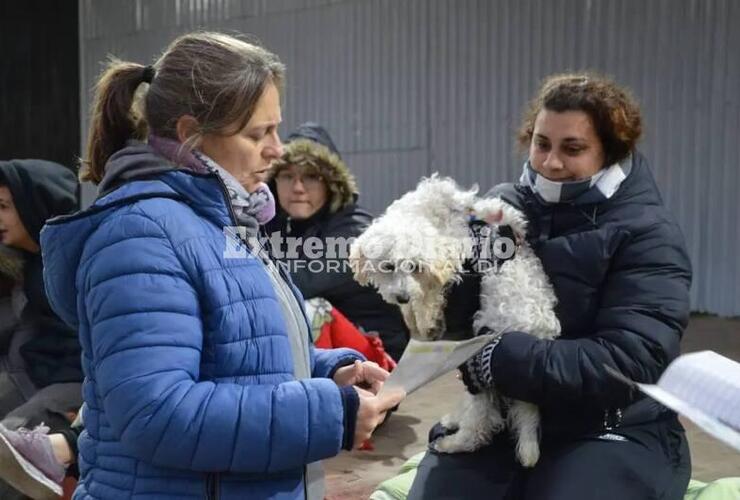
137,160
134,173
41,190
639,187
311,146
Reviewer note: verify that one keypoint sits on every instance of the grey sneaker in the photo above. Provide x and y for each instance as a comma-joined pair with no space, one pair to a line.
28,464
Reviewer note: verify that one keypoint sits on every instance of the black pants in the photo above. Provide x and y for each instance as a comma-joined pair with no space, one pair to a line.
647,461
51,405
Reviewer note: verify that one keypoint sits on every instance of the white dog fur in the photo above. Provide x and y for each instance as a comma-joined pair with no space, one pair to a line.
416,250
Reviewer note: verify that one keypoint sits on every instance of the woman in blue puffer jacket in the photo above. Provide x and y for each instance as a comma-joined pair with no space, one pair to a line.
200,380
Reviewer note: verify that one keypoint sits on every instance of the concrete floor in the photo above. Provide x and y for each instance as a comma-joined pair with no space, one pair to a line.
354,475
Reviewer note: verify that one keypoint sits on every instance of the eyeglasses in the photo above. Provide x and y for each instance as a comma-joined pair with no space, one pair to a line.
309,181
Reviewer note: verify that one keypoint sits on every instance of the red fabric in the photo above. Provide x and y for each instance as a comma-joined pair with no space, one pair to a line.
340,332
68,487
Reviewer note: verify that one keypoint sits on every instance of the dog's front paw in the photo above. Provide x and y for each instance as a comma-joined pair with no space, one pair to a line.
528,452
460,442
449,422
444,445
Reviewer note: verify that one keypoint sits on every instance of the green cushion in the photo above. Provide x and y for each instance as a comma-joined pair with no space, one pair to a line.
397,487
727,488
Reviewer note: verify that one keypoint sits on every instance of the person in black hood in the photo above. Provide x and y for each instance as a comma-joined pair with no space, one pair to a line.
11,277
317,198
40,368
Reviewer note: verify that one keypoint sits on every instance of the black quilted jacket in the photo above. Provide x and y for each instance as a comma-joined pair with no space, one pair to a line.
622,276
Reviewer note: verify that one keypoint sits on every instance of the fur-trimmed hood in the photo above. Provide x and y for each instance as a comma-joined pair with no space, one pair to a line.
311,145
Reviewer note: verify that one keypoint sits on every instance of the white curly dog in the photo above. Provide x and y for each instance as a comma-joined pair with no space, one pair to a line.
416,249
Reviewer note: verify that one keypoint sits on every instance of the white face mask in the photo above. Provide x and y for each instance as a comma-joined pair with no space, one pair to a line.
599,187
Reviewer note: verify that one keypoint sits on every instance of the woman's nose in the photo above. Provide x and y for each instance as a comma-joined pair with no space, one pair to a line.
274,149
298,185
553,162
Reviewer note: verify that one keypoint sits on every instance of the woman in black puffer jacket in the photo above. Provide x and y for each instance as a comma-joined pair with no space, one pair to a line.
617,261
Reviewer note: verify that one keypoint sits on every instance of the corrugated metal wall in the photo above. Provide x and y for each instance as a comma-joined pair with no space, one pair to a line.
409,87
39,78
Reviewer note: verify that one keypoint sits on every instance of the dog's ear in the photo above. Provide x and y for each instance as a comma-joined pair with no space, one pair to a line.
358,263
441,273
407,311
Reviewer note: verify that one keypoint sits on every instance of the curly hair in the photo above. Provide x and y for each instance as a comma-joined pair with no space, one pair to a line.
612,109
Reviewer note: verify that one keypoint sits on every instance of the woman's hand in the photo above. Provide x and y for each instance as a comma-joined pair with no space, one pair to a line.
365,374
372,411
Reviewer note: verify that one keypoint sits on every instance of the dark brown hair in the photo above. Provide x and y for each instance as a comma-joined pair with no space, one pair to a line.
213,77
612,109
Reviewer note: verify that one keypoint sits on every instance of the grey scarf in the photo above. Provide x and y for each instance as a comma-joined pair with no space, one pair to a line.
251,209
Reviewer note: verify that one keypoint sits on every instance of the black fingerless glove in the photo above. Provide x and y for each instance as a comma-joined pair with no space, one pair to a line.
477,372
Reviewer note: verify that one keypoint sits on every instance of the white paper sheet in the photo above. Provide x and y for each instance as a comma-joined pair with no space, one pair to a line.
423,362
709,424
705,388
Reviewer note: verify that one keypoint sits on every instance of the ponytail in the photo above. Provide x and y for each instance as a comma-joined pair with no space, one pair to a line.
114,118
213,77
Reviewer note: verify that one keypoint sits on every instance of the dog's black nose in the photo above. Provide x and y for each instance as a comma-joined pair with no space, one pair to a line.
402,298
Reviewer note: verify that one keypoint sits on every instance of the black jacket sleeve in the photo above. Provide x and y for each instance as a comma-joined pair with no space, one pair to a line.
643,311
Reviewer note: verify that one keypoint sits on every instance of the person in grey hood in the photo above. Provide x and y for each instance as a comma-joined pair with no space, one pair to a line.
317,198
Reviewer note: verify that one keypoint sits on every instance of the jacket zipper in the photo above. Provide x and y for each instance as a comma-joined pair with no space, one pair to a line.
305,482
212,486
212,480
225,192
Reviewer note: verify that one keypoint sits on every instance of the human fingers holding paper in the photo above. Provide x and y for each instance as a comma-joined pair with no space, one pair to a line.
372,410
363,373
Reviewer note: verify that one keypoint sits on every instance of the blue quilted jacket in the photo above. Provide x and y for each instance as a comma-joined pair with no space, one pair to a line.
189,384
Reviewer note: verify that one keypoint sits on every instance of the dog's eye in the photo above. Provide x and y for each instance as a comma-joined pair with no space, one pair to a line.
387,267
